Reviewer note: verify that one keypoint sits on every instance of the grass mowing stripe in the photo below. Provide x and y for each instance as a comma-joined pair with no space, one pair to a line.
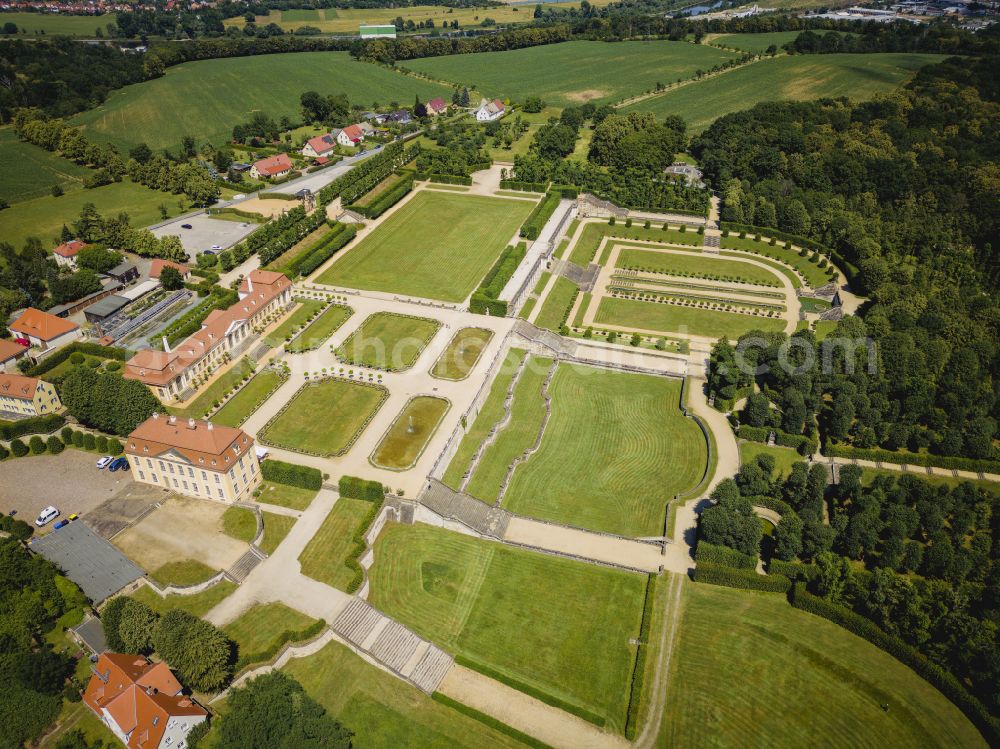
671,318
250,397
557,304
695,266
490,721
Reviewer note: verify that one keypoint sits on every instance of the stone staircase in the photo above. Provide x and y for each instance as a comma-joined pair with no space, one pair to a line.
394,646
556,343
465,509
582,277
245,564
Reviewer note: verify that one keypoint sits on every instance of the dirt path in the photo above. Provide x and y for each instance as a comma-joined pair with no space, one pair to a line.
668,637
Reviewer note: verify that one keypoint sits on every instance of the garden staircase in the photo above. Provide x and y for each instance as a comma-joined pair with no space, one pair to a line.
465,509
245,564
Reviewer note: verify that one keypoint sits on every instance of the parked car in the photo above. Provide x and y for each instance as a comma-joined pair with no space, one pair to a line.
47,515
61,524
74,516
105,462
185,226
120,464
239,196
216,247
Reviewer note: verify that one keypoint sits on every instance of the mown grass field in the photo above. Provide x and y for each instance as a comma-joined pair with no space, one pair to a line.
673,318
615,450
697,266
210,395
321,328
463,351
754,42
345,407
276,527
286,496
325,555
56,24
556,304
409,433
784,457
749,670
558,625
182,572
389,341
438,245
197,604
305,309
249,399
572,73
239,523
811,272
33,171
384,711
585,250
801,77
258,627
207,98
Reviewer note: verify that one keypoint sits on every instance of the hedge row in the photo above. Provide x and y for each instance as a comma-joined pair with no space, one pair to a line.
449,179
724,556
485,297
639,669
363,177
35,425
804,445
94,349
941,679
292,474
809,244
276,196
249,216
570,192
513,184
531,691
780,506
307,264
386,200
911,459
532,227
358,548
265,655
357,488
490,721
87,441
792,570
717,574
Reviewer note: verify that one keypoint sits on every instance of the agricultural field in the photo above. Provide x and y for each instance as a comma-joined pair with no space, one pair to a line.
321,328
325,556
535,618
801,77
388,341
346,407
207,98
415,252
409,433
239,408
574,72
673,318
778,664
463,351
615,449
757,43
34,171
56,24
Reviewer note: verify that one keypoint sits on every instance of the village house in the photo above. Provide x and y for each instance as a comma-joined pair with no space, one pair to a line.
224,334
10,353
488,111
400,117
194,457
157,266
44,331
272,166
66,253
351,135
142,703
436,106
27,396
321,145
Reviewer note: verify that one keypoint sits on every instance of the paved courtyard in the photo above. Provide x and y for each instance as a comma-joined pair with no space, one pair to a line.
205,232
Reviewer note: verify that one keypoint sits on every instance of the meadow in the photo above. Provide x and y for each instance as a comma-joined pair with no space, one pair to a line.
560,626
800,77
409,433
207,98
438,245
33,171
673,318
615,450
753,42
790,677
388,341
57,24
572,73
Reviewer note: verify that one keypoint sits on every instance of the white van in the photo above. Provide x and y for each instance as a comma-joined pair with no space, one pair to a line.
47,515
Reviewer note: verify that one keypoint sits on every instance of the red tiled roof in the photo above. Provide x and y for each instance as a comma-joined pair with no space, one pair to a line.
70,248
322,143
10,350
157,266
210,447
42,325
273,165
437,104
18,386
354,133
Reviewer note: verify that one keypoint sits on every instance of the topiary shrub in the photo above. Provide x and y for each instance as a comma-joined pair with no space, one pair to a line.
54,445
78,439
18,449
102,443
113,366
67,435
37,445
89,442
4,453
77,358
115,446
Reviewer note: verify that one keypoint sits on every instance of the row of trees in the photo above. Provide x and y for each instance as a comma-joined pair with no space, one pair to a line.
107,401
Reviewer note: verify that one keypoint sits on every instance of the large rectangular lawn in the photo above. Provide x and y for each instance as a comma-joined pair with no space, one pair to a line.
438,245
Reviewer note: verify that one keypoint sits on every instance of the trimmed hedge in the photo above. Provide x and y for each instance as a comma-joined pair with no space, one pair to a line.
271,650
493,282
777,234
779,506
802,444
938,677
717,574
532,227
911,459
386,200
276,196
513,184
357,488
490,721
292,474
359,545
723,556
639,668
304,265
792,570
34,425
82,347
449,179
530,690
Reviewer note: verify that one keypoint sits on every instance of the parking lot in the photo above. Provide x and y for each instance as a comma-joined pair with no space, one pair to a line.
205,232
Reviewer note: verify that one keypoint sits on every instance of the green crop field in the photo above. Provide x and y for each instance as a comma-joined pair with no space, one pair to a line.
615,449
326,554
248,399
389,341
749,670
410,432
384,711
321,328
574,72
33,171
56,24
438,245
561,626
556,304
673,318
260,626
463,351
755,42
207,98
695,266
800,77
346,408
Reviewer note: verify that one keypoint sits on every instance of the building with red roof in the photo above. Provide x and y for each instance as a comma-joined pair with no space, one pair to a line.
321,145
27,396
350,135
157,266
272,166
436,106
67,251
44,330
10,353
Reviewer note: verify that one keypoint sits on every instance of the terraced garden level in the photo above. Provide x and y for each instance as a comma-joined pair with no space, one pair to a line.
462,353
326,556
321,328
535,618
345,407
388,341
694,266
250,397
585,250
811,272
671,318
409,434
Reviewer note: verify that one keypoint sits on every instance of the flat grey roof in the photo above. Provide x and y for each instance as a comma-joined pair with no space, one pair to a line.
88,560
121,269
107,306
91,632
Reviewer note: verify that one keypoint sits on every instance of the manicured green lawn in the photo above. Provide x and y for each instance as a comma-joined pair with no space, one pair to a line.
438,245
410,432
801,77
556,304
239,408
384,711
527,415
824,328
276,527
695,266
814,275
183,572
32,171
305,309
206,98
198,604
489,414
287,496
386,340
327,552
784,457
572,73
463,351
216,391
585,250
346,408
321,328
671,318
615,450
749,670
558,625
257,628
239,523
